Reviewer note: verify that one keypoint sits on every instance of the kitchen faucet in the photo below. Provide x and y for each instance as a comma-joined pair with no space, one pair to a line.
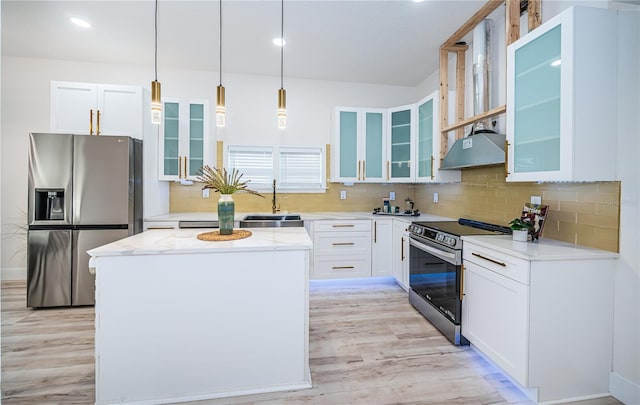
274,207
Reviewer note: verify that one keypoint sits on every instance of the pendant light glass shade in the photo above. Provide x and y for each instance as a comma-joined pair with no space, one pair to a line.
282,108
220,108
156,98
156,103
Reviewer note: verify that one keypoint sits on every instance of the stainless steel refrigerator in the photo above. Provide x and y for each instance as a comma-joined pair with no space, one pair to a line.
84,191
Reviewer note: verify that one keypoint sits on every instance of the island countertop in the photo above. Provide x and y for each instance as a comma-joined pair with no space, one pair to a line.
185,241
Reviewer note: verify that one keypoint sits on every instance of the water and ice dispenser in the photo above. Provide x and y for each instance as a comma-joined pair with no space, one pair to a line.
49,205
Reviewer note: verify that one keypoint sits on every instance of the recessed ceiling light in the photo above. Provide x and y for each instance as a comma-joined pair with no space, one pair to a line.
279,42
80,22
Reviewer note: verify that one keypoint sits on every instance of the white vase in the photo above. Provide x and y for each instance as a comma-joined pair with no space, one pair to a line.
520,235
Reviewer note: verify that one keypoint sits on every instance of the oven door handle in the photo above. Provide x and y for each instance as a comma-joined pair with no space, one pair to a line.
446,256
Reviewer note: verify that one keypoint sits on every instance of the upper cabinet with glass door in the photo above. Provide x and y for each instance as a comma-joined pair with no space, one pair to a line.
400,144
185,141
359,145
428,143
561,99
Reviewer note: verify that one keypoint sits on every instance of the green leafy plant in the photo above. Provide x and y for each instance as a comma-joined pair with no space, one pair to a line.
519,224
223,182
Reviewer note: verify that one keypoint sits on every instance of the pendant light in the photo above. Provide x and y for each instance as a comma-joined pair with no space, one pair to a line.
156,101
282,94
220,107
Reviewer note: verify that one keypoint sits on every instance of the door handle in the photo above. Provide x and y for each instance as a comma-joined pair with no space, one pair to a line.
179,167
375,231
402,249
461,281
98,122
364,176
506,159
488,259
343,244
432,167
91,122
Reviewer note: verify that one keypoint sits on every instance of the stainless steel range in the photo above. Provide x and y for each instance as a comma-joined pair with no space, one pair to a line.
435,275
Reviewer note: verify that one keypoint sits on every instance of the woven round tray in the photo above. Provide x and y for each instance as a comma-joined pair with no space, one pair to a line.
216,237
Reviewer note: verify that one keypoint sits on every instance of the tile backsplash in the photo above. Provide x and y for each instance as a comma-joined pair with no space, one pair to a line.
582,213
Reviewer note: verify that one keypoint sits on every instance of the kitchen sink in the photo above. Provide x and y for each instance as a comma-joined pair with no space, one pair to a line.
271,221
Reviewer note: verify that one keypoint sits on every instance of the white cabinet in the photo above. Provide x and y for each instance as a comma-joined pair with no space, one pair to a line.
341,249
185,142
400,252
427,154
561,92
381,255
400,144
359,145
546,322
96,109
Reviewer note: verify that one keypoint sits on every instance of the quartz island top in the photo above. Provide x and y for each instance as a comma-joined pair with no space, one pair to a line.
184,241
542,249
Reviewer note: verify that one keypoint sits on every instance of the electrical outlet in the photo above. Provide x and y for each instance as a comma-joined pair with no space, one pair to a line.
392,196
536,199
435,197
205,193
343,195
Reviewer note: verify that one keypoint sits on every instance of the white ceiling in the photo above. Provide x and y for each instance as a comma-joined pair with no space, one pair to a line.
384,42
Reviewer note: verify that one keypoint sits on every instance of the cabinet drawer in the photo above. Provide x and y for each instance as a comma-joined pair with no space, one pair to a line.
503,264
337,267
351,243
343,226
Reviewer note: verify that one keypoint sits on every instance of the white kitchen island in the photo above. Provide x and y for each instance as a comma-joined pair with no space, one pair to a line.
179,319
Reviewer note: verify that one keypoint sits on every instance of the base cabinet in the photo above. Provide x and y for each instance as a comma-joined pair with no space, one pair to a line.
400,253
381,258
547,323
341,249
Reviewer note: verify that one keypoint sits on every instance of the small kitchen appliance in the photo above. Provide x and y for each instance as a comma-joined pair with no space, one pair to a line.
435,270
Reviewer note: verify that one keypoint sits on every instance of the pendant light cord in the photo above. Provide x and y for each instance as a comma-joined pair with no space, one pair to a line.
156,43
221,42
281,39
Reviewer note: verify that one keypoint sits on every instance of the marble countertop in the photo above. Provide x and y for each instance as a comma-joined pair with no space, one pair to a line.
542,249
306,216
183,241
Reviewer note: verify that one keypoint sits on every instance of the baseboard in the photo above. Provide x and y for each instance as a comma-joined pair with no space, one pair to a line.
13,274
624,390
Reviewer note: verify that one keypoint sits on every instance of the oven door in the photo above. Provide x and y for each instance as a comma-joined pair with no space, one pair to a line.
435,276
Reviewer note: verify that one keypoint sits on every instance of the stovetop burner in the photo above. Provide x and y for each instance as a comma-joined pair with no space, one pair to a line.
448,233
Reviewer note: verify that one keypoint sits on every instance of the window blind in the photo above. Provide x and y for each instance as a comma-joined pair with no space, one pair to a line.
301,168
255,164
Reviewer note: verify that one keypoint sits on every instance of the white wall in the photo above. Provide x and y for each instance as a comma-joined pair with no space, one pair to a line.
625,378
251,110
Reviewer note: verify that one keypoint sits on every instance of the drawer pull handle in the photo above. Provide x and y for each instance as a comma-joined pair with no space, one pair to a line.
343,243
343,226
342,267
491,260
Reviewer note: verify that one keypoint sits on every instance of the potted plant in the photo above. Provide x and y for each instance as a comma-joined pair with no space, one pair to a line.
226,184
521,229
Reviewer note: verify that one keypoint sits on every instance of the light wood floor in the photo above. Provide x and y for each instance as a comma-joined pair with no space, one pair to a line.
367,346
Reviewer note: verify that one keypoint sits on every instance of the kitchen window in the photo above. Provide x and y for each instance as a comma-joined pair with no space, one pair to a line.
295,169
